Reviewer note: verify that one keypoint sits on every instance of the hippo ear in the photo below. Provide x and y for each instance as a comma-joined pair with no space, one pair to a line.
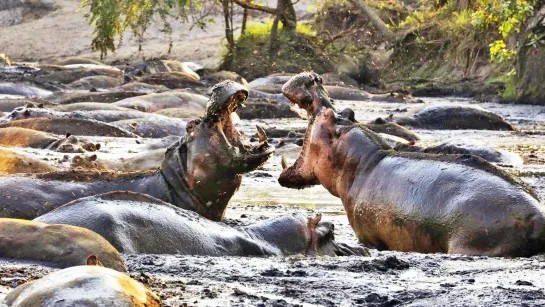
380,121
391,115
76,158
41,106
93,158
68,135
315,219
97,146
93,260
26,113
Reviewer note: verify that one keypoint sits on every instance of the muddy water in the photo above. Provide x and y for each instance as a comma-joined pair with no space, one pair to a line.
384,279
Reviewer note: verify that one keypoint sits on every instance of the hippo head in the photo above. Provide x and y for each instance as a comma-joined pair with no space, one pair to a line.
71,144
19,113
298,233
204,169
307,92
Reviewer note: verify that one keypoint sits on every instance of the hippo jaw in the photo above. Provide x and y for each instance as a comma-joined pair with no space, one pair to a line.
303,89
204,169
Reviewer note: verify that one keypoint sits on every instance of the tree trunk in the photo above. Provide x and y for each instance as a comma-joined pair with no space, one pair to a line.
379,25
274,30
228,26
289,16
244,21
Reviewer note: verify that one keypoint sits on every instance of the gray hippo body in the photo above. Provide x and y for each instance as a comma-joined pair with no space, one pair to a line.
85,106
7,105
73,126
86,285
102,97
23,90
200,172
153,127
412,201
155,102
96,82
453,117
135,223
147,160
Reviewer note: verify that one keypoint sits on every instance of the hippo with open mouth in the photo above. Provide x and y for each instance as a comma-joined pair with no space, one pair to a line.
200,172
412,201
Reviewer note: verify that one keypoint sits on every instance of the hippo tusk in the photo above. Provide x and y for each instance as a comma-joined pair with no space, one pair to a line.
284,162
261,134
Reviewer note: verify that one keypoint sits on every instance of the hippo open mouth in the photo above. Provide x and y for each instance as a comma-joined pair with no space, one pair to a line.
233,140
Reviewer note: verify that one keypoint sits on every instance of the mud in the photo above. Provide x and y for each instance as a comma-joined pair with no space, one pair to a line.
384,279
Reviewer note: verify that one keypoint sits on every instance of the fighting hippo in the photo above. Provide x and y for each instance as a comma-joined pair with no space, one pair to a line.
22,89
171,230
440,116
412,201
84,285
200,172
59,245
13,163
488,153
159,101
144,161
21,137
73,126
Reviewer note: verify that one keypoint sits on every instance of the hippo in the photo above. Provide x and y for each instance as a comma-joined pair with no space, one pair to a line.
172,80
85,106
146,160
21,137
73,126
7,105
255,94
344,93
83,285
96,82
139,87
23,90
58,245
180,113
414,202
200,172
13,163
159,101
223,75
153,127
488,153
107,116
56,74
451,116
269,80
171,230
104,97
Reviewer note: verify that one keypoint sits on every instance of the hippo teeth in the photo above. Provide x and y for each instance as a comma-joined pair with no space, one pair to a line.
261,135
284,162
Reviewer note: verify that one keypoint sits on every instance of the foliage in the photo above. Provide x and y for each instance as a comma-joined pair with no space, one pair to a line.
250,55
112,17
507,17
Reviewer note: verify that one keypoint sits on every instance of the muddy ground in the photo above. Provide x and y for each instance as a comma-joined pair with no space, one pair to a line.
384,279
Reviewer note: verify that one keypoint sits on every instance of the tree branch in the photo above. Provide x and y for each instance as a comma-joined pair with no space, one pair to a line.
376,21
250,6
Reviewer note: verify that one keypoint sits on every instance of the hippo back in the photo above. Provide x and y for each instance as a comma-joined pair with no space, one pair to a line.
460,117
138,223
83,286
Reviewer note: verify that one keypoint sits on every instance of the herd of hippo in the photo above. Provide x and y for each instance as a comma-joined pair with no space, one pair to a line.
172,197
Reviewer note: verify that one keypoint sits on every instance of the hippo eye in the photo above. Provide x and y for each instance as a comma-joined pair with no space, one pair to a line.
319,79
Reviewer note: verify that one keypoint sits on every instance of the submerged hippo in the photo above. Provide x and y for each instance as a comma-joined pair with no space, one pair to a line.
153,127
85,106
412,201
96,82
84,285
200,172
73,126
488,153
7,105
13,163
104,97
156,102
440,116
172,80
58,245
171,230
21,137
